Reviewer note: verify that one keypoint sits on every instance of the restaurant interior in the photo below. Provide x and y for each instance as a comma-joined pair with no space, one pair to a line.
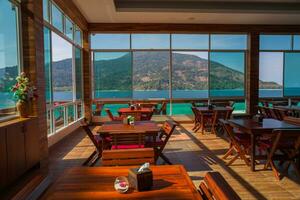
140,99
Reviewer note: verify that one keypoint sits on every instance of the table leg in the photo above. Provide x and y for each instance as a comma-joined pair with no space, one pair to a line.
253,141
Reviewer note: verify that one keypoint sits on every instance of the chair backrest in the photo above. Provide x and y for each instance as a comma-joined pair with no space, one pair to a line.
146,116
216,187
99,107
121,157
125,138
137,115
162,108
229,130
109,114
167,131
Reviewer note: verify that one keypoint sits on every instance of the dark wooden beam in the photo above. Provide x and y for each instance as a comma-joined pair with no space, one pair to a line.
252,74
190,28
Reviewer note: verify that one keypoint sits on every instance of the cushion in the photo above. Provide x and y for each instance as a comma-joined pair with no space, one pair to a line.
127,146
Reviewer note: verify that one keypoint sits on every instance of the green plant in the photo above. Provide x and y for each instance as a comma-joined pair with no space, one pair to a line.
23,90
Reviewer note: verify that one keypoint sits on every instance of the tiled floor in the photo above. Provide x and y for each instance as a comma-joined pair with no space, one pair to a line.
199,154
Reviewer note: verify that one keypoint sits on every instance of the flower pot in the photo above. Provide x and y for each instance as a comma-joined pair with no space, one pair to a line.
23,108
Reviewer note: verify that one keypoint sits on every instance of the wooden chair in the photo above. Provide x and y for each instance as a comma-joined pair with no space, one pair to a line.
162,110
98,143
99,108
127,140
111,116
137,115
197,120
126,157
146,116
239,144
160,143
225,115
215,187
206,119
284,146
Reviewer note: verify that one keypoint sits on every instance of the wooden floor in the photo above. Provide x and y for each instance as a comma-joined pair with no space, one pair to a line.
199,154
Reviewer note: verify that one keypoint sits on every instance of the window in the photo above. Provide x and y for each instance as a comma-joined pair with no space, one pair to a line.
292,74
61,69
222,41
9,54
69,29
190,41
270,74
46,10
57,18
78,74
47,64
296,42
110,41
189,74
275,42
227,74
150,41
112,75
151,74
78,36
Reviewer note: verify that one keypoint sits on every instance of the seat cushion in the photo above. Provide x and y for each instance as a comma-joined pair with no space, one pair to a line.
127,146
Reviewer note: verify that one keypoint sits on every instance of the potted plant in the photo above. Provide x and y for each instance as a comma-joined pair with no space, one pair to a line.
24,93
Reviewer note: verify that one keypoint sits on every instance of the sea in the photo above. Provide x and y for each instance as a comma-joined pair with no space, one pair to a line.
177,108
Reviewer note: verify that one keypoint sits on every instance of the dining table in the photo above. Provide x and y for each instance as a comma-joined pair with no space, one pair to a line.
257,129
170,182
135,110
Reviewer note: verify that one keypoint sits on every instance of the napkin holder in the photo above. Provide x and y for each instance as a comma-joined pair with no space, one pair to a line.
141,181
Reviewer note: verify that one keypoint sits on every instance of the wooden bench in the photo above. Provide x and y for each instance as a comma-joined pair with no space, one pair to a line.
123,157
215,187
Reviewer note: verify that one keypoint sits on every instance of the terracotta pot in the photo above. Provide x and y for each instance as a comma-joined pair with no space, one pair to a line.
23,108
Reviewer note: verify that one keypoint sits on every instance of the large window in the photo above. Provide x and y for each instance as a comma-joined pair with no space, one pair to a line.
9,53
110,41
112,75
61,69
278,66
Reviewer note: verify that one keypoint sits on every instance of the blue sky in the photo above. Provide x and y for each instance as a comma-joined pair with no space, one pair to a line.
61,49
271,66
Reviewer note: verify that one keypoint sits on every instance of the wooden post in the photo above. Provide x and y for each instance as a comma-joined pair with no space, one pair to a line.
252,74
33,66
87,76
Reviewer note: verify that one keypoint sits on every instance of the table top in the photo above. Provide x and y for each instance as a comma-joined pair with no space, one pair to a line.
139,126
169,182
297,108
218,108
142,110
266,126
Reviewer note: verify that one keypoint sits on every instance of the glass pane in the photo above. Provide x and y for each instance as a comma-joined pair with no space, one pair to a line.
57,18
275,42
78,75
78,36
181,109
270,74
69,29
227,74
70,113
110,41
61,69
46,10
47,64
190,74
292,74
79,111
297,42
190,41
239,107
112,75
9,54
151,74
150,41
59,114
219,41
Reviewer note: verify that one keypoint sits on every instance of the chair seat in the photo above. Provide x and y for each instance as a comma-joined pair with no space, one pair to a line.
127,146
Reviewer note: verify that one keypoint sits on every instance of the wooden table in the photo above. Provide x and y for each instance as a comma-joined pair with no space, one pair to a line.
128,110
256,129
169,182
139,126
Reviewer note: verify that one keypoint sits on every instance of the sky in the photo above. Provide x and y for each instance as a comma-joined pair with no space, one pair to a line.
61,49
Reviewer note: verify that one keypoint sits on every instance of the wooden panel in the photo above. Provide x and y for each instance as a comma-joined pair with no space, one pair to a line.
31,143
15,151
3,156
190,28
